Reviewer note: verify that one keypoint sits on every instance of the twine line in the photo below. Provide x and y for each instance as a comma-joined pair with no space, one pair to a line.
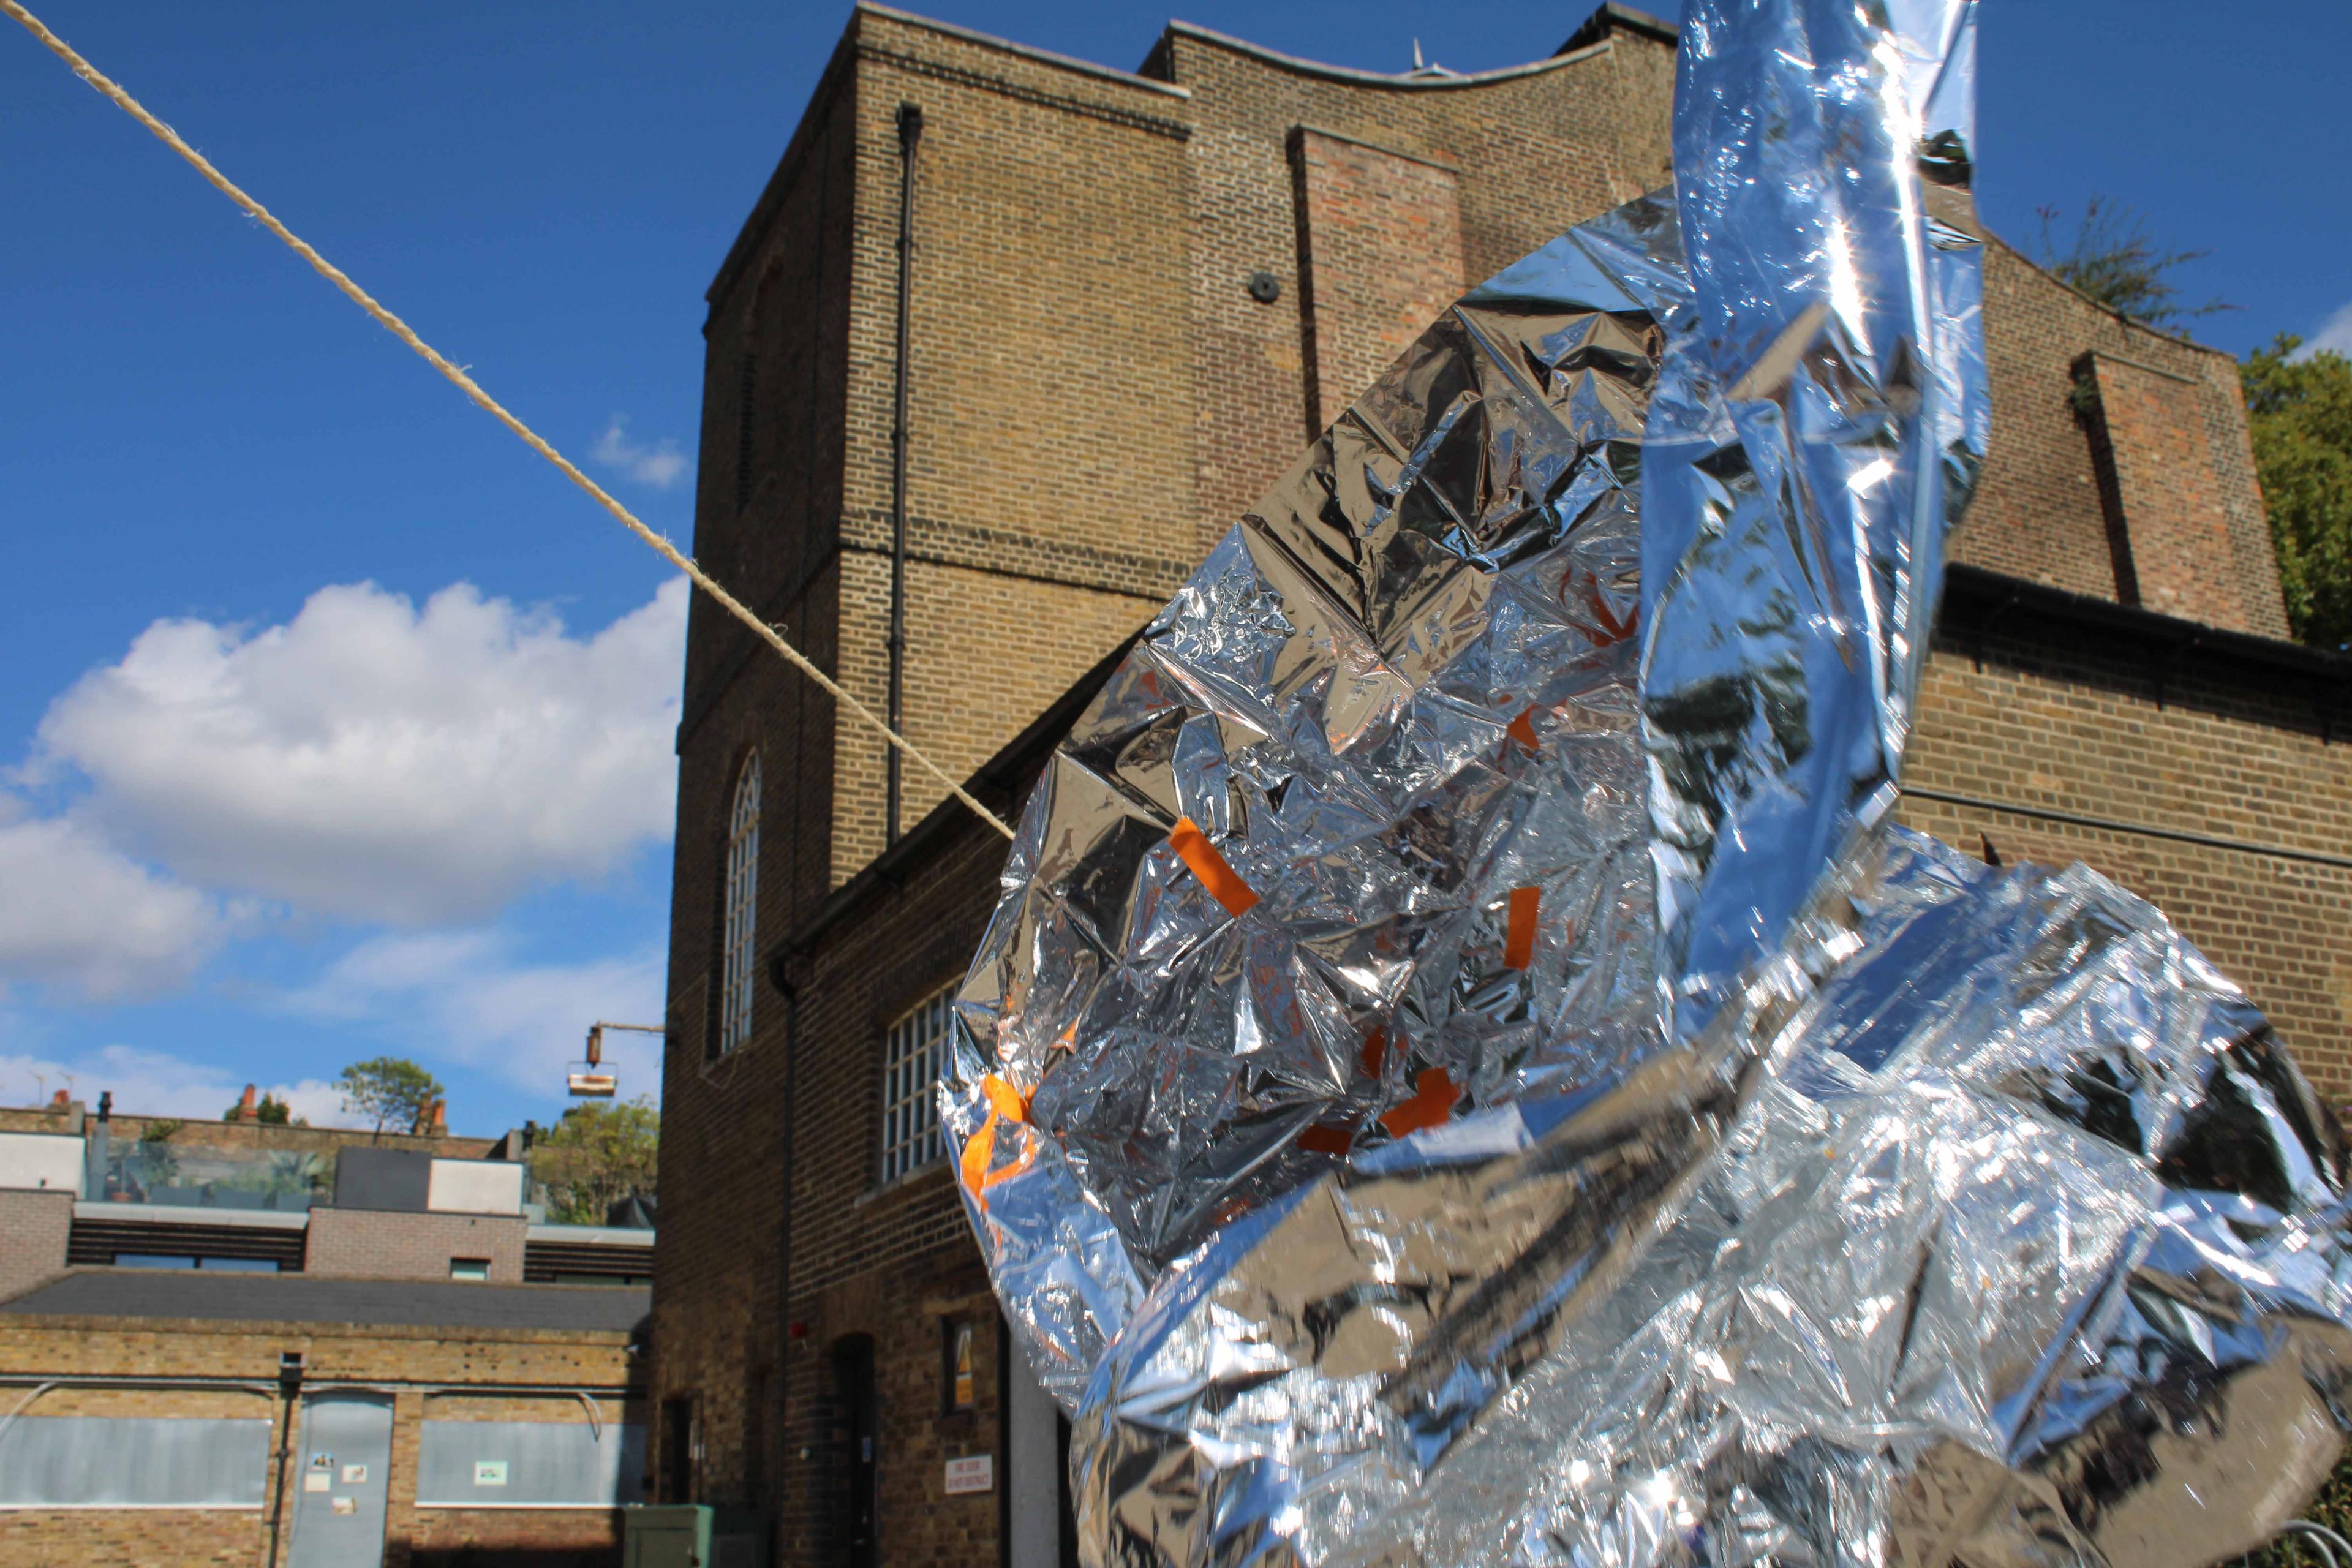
466,383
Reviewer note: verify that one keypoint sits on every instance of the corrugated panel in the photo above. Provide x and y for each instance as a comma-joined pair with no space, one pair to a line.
115,1461
529,1464
544,1261
97,1241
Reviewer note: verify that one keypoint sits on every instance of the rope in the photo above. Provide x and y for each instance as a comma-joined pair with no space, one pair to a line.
489,405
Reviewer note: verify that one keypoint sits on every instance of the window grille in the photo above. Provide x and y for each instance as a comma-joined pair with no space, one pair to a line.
913,1053
742,910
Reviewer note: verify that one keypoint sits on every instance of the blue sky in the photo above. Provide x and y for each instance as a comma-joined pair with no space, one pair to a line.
335,723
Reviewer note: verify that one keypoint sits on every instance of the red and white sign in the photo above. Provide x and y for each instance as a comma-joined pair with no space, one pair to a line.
972,1473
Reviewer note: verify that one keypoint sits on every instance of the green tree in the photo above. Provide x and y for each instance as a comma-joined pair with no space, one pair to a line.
597,1155
2300,410
2112,259
389,1089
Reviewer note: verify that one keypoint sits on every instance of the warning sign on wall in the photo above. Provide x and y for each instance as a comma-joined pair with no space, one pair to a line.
973,1473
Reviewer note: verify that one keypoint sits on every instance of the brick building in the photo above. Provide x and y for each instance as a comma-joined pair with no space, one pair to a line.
250,1421
1129,300
285,1347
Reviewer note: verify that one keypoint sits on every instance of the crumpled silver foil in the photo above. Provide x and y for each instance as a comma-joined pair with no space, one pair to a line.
1465,1071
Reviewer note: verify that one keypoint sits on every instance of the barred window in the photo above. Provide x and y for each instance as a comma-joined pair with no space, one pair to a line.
913,1053
743,910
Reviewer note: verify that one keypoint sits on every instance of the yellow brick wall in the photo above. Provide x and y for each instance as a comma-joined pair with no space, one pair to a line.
405,1360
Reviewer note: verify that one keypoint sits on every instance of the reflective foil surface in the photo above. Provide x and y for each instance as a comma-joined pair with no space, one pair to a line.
1463,1070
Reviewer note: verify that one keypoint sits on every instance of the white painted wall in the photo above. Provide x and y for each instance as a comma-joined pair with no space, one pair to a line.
1033,1452
475,1186
41,1160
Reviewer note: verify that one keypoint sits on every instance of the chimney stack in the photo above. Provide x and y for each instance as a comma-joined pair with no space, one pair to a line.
245,1109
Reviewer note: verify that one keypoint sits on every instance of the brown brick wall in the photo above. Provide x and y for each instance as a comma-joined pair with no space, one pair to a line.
1380,258
2039,511
371,1243
34,1228
409,1359
2163,496
2053,724
890,1262
1540,149
1094,396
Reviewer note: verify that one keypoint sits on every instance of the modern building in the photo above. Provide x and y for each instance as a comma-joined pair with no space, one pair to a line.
1007,342
240,1343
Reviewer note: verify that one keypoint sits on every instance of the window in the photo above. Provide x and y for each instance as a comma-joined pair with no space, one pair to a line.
477,1268
958,1385
530,1464
117,1462
743,910
912,1054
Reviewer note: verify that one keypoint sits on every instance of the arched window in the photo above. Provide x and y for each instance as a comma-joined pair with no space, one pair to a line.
743,909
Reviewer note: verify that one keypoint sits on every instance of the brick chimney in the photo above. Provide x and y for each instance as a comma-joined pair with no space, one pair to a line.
245,1109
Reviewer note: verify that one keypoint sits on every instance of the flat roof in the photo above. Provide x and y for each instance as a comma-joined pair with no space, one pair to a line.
300,1298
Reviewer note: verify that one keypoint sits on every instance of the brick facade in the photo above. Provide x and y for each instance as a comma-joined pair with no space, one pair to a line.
2048,507
1380,258
1095,394
366,1244
424,1368
2084,726
33,1228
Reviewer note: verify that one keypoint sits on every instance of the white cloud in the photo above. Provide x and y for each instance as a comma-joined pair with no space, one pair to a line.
373,761
460,996
2336,332
661,465
77,914
155,1083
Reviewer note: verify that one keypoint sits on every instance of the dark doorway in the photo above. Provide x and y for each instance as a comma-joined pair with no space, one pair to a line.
861,1440
677,1472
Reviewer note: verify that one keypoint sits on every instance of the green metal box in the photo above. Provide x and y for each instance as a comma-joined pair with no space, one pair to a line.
692,1535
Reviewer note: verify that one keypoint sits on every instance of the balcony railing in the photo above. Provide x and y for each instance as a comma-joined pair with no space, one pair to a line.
188,1176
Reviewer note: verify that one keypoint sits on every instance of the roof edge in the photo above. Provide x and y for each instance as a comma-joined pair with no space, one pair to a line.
1026,51
1979,591
1612,16
1407,81
2180,340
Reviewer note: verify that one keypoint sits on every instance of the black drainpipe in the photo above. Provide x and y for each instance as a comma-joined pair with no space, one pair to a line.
910,133
786,1471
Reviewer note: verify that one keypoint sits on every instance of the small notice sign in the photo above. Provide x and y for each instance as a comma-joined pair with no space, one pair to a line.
318,1482
347,1505
972,1473
354,1475
490,1472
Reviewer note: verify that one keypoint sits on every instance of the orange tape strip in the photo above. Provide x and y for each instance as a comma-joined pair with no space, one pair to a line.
1004,1101
1520,935
1432,1104
1224,884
